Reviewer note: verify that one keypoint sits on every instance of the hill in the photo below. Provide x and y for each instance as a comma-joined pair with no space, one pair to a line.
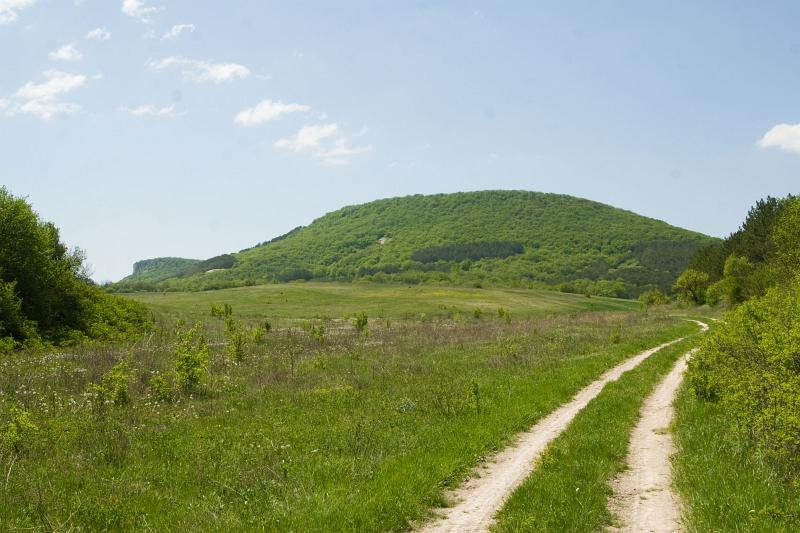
513,238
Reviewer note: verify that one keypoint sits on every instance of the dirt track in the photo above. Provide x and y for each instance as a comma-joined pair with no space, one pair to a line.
484,494
643,496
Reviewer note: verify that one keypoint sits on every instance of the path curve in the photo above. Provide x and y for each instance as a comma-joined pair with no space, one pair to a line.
485,493
643,497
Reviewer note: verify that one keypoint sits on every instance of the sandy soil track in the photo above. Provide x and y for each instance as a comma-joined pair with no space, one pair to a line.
484,494
643,496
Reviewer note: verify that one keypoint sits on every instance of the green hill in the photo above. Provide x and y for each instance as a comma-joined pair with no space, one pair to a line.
512,238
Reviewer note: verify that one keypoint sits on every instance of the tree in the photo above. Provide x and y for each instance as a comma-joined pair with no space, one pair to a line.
44,288
787,239
691,286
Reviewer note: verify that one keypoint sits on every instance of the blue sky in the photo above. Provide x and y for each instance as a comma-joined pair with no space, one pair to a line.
193,128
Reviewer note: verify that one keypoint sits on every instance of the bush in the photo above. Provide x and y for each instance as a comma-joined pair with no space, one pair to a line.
751,364
191,359
113,387
19,431
361,323
654,297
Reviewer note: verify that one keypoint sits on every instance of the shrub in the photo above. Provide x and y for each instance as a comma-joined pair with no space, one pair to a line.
191,359
19,431
163,387
361,323
653,297
221,311
113,386
751,364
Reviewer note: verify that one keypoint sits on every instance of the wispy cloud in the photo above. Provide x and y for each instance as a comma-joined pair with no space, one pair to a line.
150,110
202,71
265,111
341,153
175,32
9,9
68,52
308,138
99,34
323,142
41,99
783,136
138,10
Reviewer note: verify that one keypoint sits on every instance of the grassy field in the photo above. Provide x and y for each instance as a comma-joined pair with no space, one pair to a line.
315,427
340,300
569,490
724,483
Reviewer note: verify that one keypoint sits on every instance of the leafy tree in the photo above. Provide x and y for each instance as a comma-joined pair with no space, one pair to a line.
691,286
787,239
44,288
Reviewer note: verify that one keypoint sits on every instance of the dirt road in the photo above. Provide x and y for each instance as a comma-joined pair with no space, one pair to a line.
484,494
643,496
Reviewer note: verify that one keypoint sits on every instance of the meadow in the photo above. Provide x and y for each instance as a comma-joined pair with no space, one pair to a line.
312,424
311,300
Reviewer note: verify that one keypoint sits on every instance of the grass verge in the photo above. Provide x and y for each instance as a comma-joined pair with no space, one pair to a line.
724,483
569,490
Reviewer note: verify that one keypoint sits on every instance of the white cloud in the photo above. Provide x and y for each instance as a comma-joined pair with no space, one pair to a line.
41,99
783,136
175,32
9,9
265,111
316,140
99,34
138,10
68,52
341,153
150,110
308,138
202,71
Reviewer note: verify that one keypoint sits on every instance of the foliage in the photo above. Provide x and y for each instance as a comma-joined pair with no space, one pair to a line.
19,431
691,286
750,363
470,250
361,322
654,297
741,266
113,387
221,311
509,238
725,483
44,288
191,359
161,268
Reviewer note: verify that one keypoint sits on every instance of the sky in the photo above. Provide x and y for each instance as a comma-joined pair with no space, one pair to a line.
148,128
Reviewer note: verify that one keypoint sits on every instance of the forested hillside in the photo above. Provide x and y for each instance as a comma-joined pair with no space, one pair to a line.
513,238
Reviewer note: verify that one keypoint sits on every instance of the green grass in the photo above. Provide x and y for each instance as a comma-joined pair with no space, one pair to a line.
350,435
339,300
569,490
724,483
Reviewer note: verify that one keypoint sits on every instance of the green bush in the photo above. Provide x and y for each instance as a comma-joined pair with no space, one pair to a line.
113,387
361,322
751,364
19,431
191,359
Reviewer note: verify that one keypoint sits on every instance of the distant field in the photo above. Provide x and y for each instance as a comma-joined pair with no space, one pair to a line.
339,300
